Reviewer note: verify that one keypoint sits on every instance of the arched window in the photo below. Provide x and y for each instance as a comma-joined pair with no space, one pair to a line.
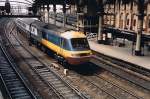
134,22
121,21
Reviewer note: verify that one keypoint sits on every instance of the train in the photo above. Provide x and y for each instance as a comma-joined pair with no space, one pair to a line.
70,19
90,23
67,46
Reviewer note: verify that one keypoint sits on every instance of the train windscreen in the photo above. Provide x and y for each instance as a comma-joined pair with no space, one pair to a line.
79,44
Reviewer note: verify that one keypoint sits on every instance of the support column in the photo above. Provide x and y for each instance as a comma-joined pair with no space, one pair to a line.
138,38
124,17
131,17
43,7
140,27
100,35
54,9
64,14
48,13
70,9
40,12
100,29
78,23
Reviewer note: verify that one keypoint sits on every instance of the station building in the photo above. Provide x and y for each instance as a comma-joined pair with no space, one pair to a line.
125,16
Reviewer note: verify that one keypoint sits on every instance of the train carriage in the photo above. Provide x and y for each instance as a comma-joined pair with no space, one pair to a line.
36,28
24,25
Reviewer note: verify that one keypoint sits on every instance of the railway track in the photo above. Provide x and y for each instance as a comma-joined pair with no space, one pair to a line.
130,72
108,89
125,64
96,85
61,88
16,87
12,80
99,85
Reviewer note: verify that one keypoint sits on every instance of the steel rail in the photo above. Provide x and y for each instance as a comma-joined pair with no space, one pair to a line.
75,90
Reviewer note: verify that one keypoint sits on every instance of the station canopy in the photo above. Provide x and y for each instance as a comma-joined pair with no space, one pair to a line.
17,2
40,2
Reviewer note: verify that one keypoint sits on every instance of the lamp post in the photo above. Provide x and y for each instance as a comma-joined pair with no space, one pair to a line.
54,9
48,8
64,13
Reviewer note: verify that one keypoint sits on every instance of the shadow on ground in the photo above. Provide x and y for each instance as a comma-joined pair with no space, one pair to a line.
87,69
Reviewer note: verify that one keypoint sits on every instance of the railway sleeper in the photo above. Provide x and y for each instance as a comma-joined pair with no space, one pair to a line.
18,91
51,80
16,88
71,96
22,97
43,71
56,82
59,85
11,74
45,74
50,75
4,71
12,85
14,82
64,89
10,80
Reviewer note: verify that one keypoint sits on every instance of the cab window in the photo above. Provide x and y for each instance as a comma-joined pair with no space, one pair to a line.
79,44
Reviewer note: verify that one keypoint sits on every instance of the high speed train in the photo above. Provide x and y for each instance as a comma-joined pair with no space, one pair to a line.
68,46
90,23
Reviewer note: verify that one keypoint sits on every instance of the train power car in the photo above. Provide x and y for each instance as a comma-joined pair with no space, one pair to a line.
68,46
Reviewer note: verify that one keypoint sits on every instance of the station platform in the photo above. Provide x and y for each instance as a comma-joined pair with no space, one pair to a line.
122,53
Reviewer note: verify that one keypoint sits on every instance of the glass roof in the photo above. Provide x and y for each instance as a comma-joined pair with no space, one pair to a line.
17,2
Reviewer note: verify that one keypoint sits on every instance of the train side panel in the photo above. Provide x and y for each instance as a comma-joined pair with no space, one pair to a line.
83,56
36,34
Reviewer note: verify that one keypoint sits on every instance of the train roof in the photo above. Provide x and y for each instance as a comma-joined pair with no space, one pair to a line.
38,24
53,29
63,32
73,34
57,30
27,20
